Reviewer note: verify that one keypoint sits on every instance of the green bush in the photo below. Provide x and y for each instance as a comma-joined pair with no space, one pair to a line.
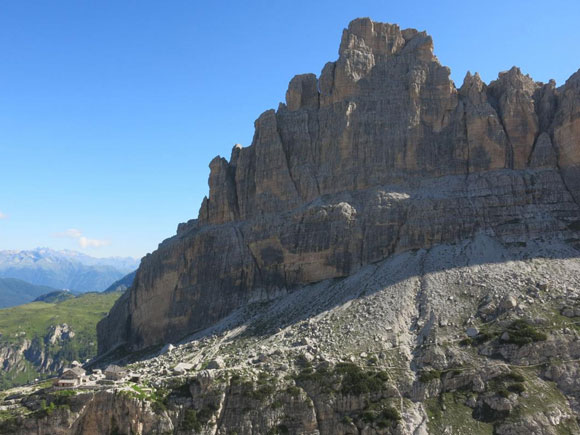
480,338
369,416
64,393
518,388
45,409
293,390
516,377
195,420
427,376
324,378
507,382
262,393
346,420
352,379
190,421
521,332
466,342
387,417
356,381
382,417
383,375
265,388
181,391
158,407
391,413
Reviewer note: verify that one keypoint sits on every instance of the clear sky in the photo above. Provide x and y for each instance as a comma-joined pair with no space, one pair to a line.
110,110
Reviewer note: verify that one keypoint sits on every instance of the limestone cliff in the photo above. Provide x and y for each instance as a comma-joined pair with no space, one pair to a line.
379,154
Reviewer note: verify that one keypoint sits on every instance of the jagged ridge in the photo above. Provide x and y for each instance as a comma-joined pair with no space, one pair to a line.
380,154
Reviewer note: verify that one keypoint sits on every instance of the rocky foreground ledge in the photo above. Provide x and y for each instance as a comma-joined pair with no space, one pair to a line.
477,337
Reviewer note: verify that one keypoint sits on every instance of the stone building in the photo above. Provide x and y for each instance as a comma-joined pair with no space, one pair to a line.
72,377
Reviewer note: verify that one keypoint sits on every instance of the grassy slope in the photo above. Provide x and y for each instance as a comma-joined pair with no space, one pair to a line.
81,313
34,320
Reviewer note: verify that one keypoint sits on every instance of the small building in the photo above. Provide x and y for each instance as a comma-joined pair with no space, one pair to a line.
115,373
72,377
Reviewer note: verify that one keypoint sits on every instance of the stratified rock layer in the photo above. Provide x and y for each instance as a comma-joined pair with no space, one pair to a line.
380,154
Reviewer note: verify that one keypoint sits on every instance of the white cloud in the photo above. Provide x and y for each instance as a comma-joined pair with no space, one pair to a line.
92,243
3,216
84,242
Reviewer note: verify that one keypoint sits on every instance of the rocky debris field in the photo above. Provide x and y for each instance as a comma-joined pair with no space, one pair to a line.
473,337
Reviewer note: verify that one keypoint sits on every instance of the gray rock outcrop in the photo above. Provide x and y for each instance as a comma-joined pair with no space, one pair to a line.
380,154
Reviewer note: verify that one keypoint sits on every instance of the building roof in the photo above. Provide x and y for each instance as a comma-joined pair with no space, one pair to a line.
78,371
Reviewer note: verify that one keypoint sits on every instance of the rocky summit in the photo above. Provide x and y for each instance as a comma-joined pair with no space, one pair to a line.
380,154
390,255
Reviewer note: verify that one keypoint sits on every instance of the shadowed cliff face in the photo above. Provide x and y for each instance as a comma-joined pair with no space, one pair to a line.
379,154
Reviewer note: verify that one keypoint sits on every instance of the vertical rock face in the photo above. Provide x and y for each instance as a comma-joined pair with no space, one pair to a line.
379,154
567,133
486,141
512,94
382,111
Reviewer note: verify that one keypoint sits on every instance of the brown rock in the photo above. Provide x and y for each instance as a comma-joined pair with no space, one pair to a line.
567,134
485,138
302,92
543,155
381,154
513,93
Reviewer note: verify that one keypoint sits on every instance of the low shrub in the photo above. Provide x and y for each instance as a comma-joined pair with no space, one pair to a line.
517,388
356,381
293,390
190,421
503,393
520,332
194,420
346,420
516,377
346,378
427,376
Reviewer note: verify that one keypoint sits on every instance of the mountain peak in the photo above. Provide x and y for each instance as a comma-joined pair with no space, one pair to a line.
64,268
379,154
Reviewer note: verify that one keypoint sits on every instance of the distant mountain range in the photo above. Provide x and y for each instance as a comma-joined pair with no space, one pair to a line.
122,284
64,269
16,292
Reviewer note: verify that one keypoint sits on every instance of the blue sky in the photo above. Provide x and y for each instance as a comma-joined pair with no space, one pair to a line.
110,110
